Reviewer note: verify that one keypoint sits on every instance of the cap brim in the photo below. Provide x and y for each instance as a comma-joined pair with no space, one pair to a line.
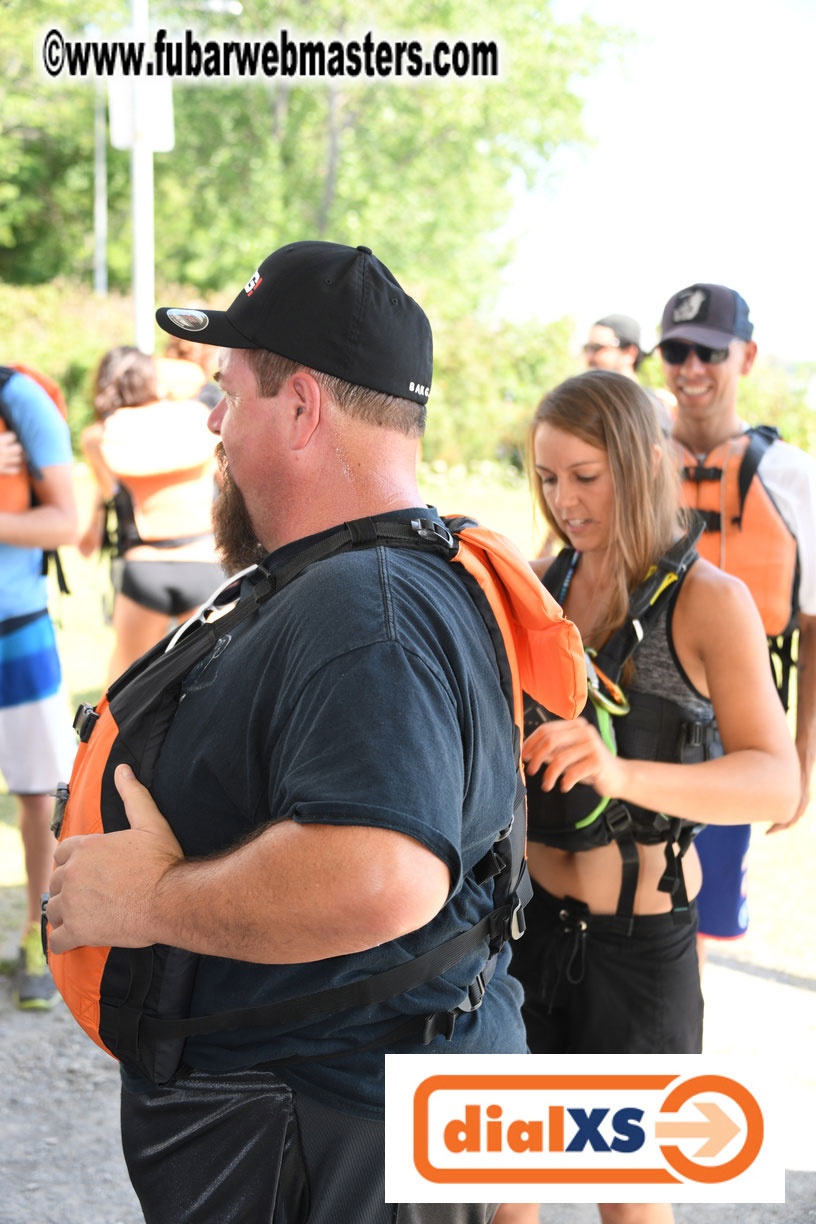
203,326
698,334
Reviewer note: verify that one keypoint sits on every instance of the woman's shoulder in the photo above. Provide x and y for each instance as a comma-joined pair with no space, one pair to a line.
709,596
548,569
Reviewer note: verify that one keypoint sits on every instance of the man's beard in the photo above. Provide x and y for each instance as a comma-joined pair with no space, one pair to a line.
235,539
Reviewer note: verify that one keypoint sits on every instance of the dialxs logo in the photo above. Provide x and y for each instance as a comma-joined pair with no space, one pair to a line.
487,1128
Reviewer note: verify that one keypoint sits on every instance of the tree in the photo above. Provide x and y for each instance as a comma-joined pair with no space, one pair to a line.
421,171
418,171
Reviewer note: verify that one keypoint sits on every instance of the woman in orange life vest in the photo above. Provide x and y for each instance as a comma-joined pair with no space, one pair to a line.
186,369
596,981
155,460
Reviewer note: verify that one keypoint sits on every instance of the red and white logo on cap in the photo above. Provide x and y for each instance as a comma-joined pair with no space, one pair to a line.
252,284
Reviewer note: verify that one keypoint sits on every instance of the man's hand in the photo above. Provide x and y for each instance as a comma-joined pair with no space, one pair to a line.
12,456
103,890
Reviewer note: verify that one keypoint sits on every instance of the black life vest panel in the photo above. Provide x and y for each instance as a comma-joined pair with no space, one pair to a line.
134,1003
636,725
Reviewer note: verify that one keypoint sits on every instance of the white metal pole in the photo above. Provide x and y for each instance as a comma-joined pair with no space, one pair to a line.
100,193
141,170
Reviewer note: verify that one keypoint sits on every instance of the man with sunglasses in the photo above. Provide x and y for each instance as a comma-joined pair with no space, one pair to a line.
758,496
613,343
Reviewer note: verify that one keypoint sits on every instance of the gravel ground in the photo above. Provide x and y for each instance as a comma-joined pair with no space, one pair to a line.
59,1129
60,1159
59,1125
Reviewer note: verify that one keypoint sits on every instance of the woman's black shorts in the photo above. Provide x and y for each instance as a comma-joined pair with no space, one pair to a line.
592,989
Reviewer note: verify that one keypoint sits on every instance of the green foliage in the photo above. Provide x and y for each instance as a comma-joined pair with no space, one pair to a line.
418,171
488,379
63,329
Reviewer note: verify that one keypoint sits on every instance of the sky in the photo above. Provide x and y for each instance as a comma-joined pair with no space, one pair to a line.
703,169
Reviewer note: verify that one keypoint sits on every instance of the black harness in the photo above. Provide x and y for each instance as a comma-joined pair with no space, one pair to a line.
145,992
643,727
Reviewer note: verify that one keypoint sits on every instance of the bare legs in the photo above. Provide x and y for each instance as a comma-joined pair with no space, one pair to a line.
38,848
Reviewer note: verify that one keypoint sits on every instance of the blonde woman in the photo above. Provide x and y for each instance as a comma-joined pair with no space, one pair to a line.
608,961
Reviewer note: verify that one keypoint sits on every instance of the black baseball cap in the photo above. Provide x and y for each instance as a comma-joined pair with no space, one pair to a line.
626,329
706,314
336,309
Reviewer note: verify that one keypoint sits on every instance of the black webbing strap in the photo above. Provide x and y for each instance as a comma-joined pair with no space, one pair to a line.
760,438
645,604
377,988
619,823
699,474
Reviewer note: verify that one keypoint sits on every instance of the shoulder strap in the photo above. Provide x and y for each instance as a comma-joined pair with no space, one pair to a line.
5,374
760,437
646,602
505,863
557,573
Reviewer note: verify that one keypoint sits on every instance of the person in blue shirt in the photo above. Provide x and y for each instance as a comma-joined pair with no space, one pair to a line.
36,741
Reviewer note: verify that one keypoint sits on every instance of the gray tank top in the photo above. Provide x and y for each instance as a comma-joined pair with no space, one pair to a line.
657,669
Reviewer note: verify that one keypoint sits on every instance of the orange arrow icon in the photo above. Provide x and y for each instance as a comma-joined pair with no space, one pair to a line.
718,1130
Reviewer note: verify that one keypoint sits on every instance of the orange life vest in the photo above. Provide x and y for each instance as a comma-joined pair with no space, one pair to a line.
179,379
133,1002
744,533
15,488
162,454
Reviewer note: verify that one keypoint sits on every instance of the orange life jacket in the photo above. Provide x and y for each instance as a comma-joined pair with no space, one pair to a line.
179,379
162,455
134,1002
15,488
744,533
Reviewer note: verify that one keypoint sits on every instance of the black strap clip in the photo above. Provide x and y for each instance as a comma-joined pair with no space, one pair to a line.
85,720
437,533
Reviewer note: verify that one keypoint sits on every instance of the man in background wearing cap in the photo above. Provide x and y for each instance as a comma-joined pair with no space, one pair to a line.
706,346
335,770
613,343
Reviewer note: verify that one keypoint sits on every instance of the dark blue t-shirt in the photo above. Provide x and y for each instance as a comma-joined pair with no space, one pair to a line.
364,693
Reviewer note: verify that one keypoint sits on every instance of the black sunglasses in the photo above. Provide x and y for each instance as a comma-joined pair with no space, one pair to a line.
598,348
675,352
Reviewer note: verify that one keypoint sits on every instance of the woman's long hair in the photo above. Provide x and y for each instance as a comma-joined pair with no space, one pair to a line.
125,378
612,412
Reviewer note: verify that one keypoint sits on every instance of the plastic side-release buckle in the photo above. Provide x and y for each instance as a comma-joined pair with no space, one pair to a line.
475,996
440,1024
44,924
61,797
85,720
430,529
618,819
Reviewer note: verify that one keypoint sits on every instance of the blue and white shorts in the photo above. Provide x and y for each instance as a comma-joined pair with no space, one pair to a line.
37,743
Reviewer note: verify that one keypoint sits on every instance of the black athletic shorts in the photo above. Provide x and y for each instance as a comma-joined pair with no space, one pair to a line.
592,989
170,587
243,1148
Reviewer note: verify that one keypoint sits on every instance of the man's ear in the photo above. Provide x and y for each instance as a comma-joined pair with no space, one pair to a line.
305,401
749,356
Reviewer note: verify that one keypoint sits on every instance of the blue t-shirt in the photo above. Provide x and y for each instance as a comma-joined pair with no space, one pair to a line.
46,440
365,693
